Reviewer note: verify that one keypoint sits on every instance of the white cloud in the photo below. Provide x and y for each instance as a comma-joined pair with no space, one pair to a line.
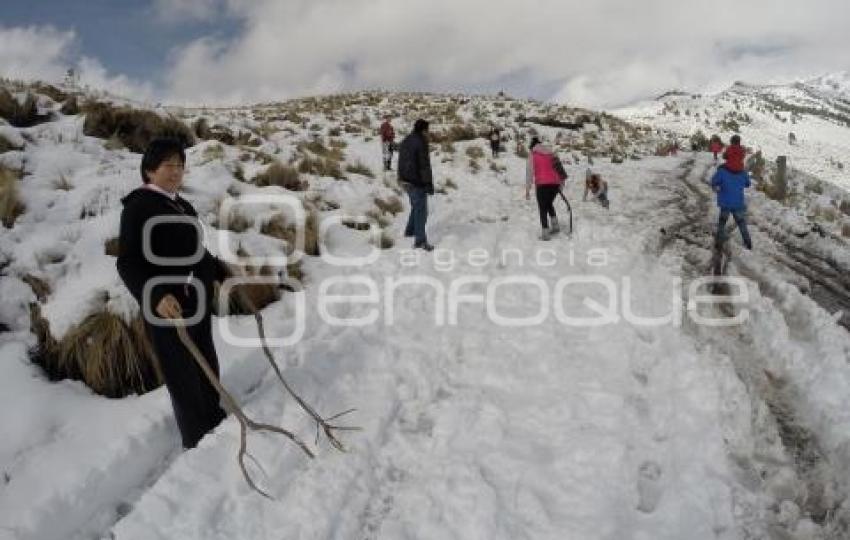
45,53
93,74
598,53
34,52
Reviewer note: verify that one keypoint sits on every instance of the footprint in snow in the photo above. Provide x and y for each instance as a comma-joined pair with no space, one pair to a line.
649,486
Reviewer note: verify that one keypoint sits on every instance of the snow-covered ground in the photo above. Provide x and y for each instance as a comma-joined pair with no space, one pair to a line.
475,430
837,84
471,428
816,111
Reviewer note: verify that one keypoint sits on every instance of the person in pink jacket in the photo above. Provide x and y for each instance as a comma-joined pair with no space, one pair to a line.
545,171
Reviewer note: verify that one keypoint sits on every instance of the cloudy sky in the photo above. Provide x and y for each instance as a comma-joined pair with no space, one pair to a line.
601,53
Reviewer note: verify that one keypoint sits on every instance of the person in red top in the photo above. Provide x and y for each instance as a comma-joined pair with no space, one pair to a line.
734,155
715,147
387,143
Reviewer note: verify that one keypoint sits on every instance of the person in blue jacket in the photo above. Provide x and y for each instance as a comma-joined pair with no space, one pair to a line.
730,188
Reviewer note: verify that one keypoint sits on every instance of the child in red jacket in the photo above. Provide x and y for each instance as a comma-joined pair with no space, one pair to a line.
715,147
734,155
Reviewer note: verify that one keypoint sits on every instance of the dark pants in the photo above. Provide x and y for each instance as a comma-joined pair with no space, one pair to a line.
545,203
740,217
602,197
494,146
387,150
418,215
195,400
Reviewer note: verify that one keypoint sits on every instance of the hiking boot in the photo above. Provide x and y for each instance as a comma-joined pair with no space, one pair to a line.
545,235
424,245
554,226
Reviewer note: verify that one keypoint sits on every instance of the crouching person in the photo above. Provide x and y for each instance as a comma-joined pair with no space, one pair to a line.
174,253
597,188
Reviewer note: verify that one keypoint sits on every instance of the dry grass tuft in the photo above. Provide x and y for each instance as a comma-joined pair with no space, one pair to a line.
278,227
258,295
21,114
11,206
6,145
279,174
112,358
361,169
392,205
320,167
39,286
132,127
475,152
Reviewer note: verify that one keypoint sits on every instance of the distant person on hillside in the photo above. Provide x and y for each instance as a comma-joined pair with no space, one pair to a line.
387,142
730,187
414,174
715,147
546,172
597,188
734,155
495,141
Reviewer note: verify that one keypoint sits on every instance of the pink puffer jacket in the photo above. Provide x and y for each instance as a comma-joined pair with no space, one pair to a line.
541,169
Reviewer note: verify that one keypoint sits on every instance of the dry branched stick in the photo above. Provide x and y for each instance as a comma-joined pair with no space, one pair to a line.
322,424
230,403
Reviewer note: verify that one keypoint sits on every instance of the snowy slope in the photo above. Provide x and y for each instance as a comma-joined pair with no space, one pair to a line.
547,431
837,84
816,111
478,431
470,429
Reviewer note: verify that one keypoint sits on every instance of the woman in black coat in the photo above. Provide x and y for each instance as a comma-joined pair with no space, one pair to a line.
173,253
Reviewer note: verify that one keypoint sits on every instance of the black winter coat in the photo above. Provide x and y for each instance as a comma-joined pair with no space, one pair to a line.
414,162
167,240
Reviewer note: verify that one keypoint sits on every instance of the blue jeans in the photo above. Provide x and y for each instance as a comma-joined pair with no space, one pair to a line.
418,215
740,217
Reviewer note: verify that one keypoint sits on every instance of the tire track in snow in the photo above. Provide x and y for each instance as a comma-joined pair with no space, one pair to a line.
773,398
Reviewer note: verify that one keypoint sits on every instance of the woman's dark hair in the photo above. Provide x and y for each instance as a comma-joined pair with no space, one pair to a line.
159,150
534,142
736,139
420,125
